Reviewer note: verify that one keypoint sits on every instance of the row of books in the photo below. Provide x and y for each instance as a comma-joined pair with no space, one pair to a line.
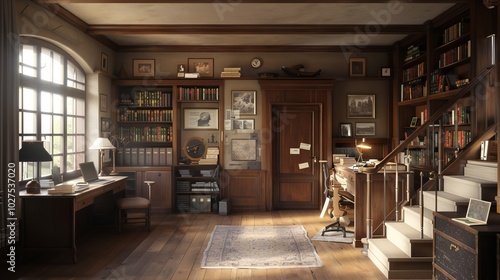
231,72
414,72
455,55
146,134
417,156
186,186
412,52
456,31
157,156
198,93
211,157
461,116
197,203
457,139
414,89
147,99
151,115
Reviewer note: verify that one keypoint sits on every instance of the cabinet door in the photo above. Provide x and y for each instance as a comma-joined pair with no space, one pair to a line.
161,191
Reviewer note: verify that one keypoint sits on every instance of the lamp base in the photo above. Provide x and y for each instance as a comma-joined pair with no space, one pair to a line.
114,172
32,187
102,173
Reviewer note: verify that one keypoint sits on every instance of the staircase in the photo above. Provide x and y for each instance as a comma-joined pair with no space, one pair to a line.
403,254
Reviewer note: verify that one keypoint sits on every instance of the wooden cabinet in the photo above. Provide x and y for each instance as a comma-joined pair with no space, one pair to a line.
197,188
245,189
463,252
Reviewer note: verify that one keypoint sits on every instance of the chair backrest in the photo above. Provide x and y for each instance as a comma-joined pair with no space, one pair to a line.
337,212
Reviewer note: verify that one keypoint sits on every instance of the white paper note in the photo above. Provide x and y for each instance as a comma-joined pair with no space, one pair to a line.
304,165
305,146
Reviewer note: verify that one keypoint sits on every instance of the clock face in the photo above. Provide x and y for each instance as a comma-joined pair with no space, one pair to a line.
195,148
256,62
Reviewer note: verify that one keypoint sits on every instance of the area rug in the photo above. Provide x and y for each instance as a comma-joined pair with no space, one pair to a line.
259,247
334,236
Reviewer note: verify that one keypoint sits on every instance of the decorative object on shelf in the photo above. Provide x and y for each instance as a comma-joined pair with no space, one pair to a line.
103,102
490,4
256,62
102,144
414,122
104,62
345,130
144,68
195,149
33,151
203,66
357,67
365,128
231,72
244,149
201,118
361,106
360,147
385,72
181,70
299,71
265,75
244,102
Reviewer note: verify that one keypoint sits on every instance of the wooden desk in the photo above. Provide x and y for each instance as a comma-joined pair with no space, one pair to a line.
356,185
49,220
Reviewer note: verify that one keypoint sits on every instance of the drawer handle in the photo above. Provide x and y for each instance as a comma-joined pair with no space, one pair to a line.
454,247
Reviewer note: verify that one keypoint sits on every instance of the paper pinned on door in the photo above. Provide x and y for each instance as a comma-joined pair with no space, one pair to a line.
294,151
305,146
304,165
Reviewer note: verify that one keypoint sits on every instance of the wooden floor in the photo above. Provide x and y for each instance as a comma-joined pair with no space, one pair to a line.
174,249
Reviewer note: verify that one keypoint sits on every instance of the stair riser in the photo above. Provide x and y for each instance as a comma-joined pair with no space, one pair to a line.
484,173
469,189
413,219
403,270
442,205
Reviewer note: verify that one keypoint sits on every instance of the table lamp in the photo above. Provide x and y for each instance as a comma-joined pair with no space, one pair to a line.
360,147
102,144
33,151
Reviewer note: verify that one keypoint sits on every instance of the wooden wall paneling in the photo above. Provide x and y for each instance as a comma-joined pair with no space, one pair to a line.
245,189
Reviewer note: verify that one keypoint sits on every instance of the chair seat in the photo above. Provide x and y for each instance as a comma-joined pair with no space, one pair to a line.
133,203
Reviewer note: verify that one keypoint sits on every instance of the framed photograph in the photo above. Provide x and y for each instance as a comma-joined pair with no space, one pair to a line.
248,124
204,66
244,101
103,102
201,118
365,128
361,106
414,121
357,67
385,72
345,130
144,67
104,62
244,149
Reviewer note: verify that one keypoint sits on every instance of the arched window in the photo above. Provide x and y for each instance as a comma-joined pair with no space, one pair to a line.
51,106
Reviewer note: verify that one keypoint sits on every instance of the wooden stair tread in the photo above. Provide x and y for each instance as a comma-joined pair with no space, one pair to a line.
459,200
393,253
428,214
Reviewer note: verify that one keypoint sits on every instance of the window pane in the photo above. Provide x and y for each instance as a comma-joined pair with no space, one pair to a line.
80,158
46,124
80,125
70,145
70,105
46,65
47,143
80,107
57,161
28,60
58,144
70,125
80,143
45,168
70,162
58,103
29,123
58,68
46,102
29,99
58,124
20,122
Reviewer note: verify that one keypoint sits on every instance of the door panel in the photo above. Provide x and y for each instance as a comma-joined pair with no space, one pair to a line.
295,147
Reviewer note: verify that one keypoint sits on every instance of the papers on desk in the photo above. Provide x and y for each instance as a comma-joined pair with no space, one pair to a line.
69,187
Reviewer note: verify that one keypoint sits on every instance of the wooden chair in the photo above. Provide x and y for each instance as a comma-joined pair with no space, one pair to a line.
134,209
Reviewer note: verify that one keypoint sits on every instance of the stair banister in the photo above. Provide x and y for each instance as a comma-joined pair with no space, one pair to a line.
432,119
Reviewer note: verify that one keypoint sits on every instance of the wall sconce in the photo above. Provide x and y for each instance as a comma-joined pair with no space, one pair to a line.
33,151
102,144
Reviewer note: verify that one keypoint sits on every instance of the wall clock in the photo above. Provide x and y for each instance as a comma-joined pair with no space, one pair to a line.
195,149
256,62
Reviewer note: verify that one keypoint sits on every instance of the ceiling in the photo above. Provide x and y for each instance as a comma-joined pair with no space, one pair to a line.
253,25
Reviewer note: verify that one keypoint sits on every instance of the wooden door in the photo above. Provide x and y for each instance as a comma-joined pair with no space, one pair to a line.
296,146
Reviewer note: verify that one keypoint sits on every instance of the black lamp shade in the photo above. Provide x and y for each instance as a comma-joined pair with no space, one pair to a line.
33,151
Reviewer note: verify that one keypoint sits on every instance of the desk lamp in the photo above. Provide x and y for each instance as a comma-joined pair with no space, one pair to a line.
102,144
33,151
360,147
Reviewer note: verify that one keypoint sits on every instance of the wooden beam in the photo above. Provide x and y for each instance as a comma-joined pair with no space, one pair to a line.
247,48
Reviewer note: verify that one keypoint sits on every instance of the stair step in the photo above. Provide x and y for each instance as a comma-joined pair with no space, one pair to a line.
396,264
477,171
407,238
492,164
467,186
446,201
411,216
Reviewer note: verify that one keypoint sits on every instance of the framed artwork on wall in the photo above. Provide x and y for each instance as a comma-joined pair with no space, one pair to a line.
144,67
104,62
365,128
357,67
204,66
244,149
248,124
361,106
201,118
244,101
103,102
345,130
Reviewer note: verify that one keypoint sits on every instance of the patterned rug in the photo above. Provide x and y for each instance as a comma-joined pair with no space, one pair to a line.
259,247
334,236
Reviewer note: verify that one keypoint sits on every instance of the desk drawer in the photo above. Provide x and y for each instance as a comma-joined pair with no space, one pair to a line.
449,228
83,202
454,258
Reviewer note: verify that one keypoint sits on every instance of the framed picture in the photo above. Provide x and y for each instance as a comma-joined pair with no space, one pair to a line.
365,128
414,121
244,101
204,66
144,67
385,72
248,124
104,62
103,102
357,67
361,106
345,130
244,149
201,118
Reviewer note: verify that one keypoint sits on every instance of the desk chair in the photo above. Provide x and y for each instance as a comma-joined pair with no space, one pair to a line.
134,208
339,204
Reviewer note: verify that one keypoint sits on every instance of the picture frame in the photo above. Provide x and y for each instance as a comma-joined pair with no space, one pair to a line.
414,122
385,72
201,118
143,67
357,67
244,149
345,130
204,66
361,106
104,62
365,128
103,102
244,101
244,124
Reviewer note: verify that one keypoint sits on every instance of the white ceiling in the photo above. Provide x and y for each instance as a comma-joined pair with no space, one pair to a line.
178,23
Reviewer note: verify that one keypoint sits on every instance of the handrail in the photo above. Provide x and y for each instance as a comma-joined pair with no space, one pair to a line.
436,116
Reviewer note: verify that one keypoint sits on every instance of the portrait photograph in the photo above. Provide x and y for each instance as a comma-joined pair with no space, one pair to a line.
198,118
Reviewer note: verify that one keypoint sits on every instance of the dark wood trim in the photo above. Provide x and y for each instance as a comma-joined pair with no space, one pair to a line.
246,48
249,1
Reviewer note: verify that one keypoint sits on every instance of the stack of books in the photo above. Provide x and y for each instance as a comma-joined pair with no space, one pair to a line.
231,72
211,157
